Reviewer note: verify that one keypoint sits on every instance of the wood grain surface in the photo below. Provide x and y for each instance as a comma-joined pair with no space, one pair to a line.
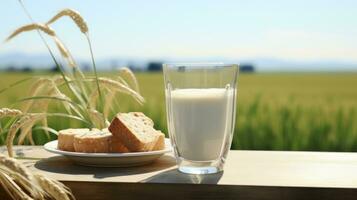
247,175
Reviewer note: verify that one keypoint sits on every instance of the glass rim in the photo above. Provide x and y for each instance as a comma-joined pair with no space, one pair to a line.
200,65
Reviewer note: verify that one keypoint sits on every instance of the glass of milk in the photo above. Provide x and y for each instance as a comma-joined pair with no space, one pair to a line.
201,110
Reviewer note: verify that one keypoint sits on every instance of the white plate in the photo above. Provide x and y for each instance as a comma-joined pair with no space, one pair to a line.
110,159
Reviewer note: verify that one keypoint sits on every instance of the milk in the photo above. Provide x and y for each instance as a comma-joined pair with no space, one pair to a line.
201,121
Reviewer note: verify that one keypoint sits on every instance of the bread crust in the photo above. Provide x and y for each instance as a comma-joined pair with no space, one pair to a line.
123,133
116,146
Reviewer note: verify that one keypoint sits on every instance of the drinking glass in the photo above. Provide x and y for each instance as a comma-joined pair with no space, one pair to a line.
201,110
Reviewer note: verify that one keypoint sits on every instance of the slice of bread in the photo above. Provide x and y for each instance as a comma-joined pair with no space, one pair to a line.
146,120
136,132
92,142
115,145
66,136
160,144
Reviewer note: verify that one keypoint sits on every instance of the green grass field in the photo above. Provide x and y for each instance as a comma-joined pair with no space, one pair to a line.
277,111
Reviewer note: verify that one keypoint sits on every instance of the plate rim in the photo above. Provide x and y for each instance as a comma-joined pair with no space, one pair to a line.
48,147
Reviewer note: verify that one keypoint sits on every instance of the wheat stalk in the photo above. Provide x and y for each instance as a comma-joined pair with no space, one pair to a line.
36,26
29,187
12,188
113,85
50,85
52,55
57,93
20,180
82,25
59,80
30,138
74,15
66,100
43,105
98,118
53,91
64,52
21,174
15,178
108,104
35,89
12,132
45,124
129,75
26,129
54,189
7,112
29,118
37,104
120,79
44,121
92,101
12,164
49,31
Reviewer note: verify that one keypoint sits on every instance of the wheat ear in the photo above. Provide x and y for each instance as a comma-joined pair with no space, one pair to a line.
7,112
30,187
98,118
44,28
55,189
12,132
122,80
29,118
12,188
44,107
48,30
74,15
59,80
129,75
26,129
35,89
16,167
64,52
113,85
27,186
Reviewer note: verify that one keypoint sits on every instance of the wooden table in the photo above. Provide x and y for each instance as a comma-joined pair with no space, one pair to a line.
247,175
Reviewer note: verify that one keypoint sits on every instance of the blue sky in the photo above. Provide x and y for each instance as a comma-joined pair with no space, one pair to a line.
297,30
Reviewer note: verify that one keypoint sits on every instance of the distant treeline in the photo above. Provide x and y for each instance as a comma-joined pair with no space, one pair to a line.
151,67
